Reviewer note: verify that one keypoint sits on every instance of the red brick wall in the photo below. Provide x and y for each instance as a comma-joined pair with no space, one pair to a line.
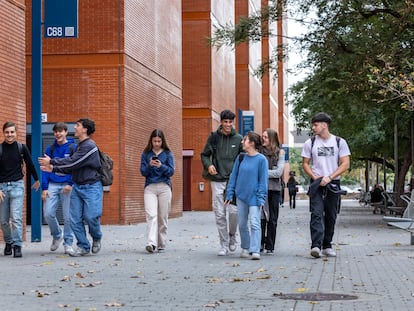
123,71
12,65
153,61
12,70
208,84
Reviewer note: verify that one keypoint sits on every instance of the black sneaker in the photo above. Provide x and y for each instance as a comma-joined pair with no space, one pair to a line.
7,249
17,251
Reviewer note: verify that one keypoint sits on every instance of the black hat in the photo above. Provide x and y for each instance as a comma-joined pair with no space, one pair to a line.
321,117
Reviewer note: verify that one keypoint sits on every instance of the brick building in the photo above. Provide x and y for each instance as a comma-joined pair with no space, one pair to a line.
124,72
135,66
214,80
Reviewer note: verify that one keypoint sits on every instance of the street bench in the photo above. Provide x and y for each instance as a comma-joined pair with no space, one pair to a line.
406,222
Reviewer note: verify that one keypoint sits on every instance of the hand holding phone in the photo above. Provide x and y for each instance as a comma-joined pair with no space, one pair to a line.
155,162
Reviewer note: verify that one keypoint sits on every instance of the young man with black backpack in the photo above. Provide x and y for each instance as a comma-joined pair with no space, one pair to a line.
324,159
57,188
87,190
218,156
12,156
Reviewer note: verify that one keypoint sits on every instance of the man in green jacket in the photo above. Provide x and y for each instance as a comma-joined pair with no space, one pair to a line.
218,157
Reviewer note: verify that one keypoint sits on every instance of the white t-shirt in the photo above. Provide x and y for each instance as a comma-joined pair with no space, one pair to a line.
325,154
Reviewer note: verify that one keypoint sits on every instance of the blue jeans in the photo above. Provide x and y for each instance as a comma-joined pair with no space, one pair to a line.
249,215
11,210
323,207
86,205
50,206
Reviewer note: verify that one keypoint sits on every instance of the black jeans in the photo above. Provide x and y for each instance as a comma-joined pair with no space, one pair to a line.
269,227
323,208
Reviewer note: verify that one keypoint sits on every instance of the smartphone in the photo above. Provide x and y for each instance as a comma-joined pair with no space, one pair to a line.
155,158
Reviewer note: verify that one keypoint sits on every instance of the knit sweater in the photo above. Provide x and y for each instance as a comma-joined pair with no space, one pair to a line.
249,179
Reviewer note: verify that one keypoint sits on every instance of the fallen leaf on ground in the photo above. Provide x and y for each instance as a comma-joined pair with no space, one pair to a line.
114,304
79,275
301,290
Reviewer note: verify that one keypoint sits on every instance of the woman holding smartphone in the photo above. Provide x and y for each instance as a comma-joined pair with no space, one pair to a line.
157,166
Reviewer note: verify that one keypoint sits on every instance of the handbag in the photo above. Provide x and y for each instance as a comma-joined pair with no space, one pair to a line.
274,184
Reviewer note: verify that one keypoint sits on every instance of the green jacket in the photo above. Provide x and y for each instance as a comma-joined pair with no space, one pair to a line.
227,148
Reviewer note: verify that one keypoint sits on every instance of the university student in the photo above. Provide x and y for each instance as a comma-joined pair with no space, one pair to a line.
157,166
57,189
87,191
218,157
276,160
13,153
324,161
249,183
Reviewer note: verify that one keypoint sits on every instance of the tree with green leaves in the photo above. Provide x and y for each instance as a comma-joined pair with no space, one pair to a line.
360,58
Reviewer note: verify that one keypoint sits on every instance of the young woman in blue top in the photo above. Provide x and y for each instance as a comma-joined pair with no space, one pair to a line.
248,181
157,166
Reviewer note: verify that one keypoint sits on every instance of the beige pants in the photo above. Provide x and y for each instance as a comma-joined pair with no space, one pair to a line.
157,202
220,211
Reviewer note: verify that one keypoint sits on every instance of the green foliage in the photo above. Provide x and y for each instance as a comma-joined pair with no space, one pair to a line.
360,57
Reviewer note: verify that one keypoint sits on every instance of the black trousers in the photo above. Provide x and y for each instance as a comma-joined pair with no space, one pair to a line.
269,227
292,199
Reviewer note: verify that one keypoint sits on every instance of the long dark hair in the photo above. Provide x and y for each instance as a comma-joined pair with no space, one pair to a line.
157,133
274,144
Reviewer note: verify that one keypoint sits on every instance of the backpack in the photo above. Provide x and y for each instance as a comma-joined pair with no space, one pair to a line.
107,165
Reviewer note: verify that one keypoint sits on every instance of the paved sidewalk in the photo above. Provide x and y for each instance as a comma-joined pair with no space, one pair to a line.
375,265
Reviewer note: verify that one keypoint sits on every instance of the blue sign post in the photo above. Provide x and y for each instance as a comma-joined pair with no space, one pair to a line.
36,114
61,19
246,121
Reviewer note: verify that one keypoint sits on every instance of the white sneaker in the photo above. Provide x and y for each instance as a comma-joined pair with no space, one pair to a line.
56,243
69,249
329,252
315,252
150,248
244,253
222,252
232,243
79,252
255,256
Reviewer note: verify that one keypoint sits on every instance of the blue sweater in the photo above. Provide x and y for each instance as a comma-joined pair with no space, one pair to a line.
59,151
249,181
154,174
